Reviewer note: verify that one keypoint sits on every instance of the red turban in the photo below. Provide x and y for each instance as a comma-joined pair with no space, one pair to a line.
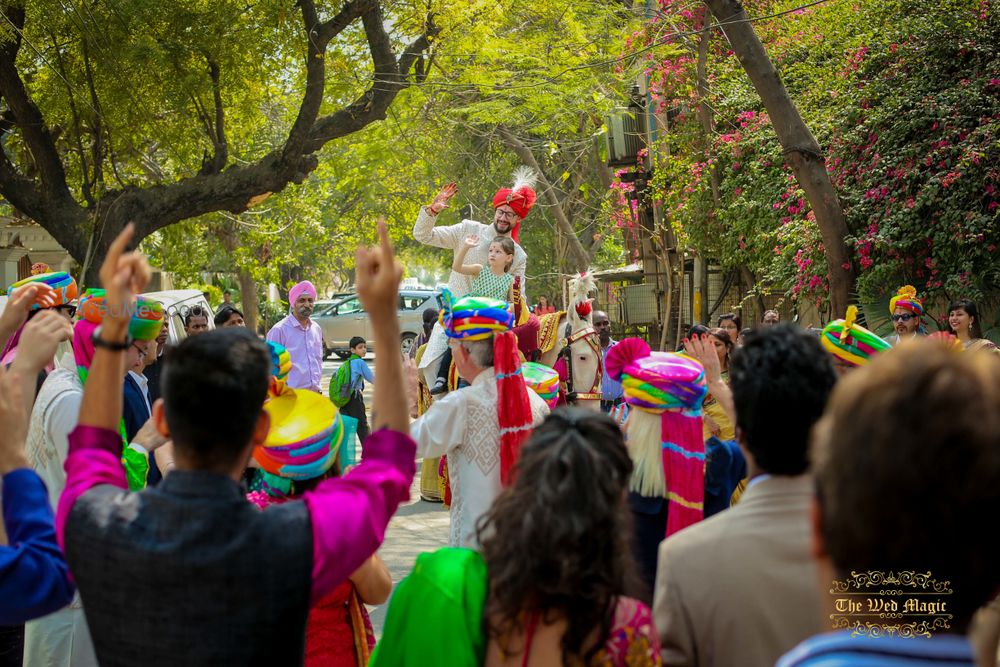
520,197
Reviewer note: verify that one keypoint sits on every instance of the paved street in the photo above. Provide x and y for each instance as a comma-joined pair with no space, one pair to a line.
418,526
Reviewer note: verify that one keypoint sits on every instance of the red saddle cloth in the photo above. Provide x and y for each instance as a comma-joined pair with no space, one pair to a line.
527,337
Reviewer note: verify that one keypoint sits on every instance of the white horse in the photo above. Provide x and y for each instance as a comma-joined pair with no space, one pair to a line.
577,344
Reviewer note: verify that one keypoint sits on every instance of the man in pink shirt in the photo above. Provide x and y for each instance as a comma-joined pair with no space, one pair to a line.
302,337
189,572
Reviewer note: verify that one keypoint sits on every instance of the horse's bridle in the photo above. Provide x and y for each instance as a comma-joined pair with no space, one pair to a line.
590,336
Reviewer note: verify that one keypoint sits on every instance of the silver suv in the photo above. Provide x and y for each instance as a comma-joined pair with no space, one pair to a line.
343,318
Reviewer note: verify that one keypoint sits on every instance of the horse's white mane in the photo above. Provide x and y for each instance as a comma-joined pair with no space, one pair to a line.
579,289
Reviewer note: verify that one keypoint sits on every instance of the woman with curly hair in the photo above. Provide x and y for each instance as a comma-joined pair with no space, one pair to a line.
550,585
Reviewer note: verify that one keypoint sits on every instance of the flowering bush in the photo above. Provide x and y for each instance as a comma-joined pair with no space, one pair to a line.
904,97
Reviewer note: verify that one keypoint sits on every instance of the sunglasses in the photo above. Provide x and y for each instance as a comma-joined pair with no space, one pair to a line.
68,309
902,318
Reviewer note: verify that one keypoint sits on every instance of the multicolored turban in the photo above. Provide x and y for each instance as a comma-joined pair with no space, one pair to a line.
850,342
65,292
542,380
949,340
669,452
147,315
474,318
40,267
306,430
906,298
61,282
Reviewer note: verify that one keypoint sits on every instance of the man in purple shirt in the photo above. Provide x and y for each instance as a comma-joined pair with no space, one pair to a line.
189,572
302,337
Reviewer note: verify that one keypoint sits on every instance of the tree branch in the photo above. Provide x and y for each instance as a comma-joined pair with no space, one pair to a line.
77,131
374,102
28,117
97,129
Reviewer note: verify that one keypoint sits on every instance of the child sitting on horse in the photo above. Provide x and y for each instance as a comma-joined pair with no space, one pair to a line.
492,281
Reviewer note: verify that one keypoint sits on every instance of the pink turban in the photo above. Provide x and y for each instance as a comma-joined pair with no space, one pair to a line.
296,292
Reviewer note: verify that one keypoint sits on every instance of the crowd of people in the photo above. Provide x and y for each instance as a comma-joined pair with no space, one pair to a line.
696,516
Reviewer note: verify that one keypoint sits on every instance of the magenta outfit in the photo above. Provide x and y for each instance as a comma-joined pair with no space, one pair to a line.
349,514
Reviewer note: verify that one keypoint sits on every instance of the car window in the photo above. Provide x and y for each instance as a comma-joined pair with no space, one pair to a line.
411,301
349,306
324,310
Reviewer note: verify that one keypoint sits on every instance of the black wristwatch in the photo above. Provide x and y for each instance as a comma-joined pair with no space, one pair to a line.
96,339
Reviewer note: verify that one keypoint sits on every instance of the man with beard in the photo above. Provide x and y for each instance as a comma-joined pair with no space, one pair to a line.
906,310
510,207
302,337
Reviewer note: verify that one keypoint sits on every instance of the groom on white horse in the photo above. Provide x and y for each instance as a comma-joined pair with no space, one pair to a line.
510,207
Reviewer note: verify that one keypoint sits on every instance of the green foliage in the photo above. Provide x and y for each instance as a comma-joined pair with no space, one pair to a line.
904,96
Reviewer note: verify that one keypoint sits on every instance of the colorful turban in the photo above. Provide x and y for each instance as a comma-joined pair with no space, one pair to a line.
669,456
147,315
657,381
850,342
40,267
543,380
306,430
61,282
474,317
949,340
134,461
906,298
297,291
520,197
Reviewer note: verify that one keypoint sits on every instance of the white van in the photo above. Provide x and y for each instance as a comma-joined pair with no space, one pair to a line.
176,304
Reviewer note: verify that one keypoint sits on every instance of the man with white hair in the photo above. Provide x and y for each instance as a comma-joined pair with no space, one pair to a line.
480,440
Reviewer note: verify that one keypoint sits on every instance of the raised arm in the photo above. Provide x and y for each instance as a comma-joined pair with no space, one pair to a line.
440,237
34,578
349,515
38,345
459,265
702,349
19,305
95,446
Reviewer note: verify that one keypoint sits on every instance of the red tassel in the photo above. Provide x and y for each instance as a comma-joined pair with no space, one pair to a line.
513,405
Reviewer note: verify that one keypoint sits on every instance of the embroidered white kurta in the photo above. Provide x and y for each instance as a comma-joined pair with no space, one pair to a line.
464,426
452,237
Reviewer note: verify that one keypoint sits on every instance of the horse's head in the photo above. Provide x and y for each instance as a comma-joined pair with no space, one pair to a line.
582,341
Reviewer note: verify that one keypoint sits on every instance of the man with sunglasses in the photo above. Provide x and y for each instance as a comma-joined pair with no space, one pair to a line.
906,311
510,207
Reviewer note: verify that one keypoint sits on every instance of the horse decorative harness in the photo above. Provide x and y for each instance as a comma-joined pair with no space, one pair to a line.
589,335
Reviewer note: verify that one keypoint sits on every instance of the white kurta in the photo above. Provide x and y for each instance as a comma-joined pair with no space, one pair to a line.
464,426
452,238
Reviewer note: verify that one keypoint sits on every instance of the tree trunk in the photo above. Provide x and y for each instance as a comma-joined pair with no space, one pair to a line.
577,257
38,186
801,149
248,294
